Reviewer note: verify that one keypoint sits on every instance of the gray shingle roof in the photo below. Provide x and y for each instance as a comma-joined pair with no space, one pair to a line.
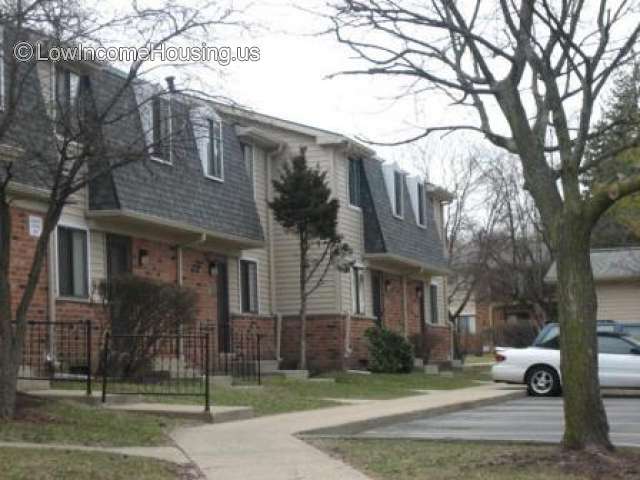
387,234
179,192
608,264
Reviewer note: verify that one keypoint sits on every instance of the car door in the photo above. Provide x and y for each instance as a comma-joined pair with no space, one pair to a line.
619,364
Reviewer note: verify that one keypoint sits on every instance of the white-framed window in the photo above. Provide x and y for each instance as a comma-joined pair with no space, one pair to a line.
398,194
433,303
161,129
215,166
422,205
354,184
249,286
73,262
249,157
208,133
67,88
467,324
357,290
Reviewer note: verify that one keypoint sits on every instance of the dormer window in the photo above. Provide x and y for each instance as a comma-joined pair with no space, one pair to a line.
398,194
248,155
67,89
354,182
208,133
422,204
214,165
161,147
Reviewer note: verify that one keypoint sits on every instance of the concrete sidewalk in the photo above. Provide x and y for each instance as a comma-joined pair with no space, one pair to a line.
266,448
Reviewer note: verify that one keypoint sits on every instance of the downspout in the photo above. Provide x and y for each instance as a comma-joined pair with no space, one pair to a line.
271,251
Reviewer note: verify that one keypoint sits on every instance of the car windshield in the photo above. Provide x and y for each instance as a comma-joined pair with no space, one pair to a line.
633,330
549,336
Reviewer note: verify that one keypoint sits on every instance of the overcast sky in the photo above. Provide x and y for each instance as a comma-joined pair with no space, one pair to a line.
290,82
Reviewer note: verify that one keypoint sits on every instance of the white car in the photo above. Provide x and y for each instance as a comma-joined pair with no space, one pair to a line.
539,366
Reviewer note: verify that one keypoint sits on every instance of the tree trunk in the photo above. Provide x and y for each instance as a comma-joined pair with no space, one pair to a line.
8,378
585,418
302,364
303,336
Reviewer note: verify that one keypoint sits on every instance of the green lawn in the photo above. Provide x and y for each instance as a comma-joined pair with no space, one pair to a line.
20,464
279,395
417,460
67,422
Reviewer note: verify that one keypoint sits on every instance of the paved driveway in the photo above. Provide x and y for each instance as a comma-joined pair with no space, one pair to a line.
530,419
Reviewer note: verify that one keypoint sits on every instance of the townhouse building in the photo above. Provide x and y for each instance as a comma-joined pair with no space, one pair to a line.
194,211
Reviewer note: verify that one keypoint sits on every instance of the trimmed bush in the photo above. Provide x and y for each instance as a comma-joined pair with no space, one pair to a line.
146,310
389,352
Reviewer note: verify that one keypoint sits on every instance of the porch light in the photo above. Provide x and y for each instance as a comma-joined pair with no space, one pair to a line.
143,257
213,269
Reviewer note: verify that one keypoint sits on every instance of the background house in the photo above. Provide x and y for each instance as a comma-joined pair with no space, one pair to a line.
616,272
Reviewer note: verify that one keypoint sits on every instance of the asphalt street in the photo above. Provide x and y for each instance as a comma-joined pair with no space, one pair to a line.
530,419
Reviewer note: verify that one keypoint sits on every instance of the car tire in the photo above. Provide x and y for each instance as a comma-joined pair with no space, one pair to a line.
543,381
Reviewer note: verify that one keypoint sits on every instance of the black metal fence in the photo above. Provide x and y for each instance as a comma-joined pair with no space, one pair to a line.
243,355
178,364
175,365
58,352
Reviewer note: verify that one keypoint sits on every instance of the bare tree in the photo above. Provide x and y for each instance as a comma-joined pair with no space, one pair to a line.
530,70
63,145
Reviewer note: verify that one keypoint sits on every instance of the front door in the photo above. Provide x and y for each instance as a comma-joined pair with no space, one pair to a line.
224,326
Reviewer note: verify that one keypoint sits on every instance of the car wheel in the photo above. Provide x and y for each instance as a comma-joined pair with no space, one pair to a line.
543,381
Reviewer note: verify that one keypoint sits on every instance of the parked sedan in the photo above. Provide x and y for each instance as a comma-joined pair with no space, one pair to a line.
632,329
539,366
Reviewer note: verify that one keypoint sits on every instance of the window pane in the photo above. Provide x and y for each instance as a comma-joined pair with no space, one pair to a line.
613,345
79,253
421,204
249,286
398,193
248,155
72,262
354,182
65,282
433,297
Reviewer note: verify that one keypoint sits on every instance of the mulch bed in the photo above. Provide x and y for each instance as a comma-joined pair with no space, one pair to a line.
596,465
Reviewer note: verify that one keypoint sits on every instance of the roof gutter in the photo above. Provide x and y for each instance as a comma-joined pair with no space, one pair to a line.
152,219
421,267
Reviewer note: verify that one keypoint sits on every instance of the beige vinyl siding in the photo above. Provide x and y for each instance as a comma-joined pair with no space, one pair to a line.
619,301
260,255
286,251
350,225
98,261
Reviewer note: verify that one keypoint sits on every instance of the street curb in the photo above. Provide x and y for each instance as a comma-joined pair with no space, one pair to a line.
354,428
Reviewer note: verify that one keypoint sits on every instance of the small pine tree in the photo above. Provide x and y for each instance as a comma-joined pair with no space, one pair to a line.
304,207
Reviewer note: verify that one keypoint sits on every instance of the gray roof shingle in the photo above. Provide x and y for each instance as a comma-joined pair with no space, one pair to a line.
179,192
387,234
608,264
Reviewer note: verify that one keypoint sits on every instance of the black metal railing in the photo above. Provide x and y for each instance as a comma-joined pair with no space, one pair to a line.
157,365
59,352
243,355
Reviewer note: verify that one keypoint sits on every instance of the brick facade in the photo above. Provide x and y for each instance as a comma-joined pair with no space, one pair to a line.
23,248
150,259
